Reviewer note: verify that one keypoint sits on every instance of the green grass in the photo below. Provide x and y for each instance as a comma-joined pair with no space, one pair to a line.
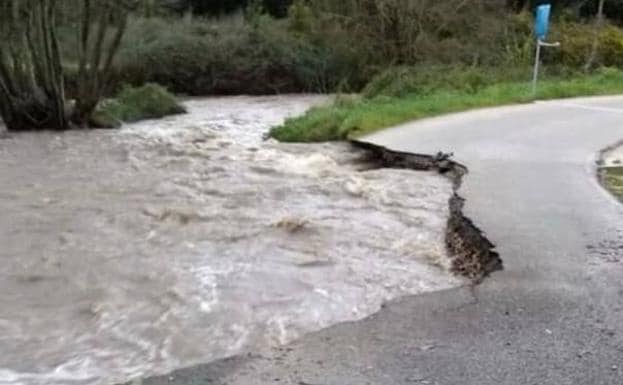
354,117
613,177
150,101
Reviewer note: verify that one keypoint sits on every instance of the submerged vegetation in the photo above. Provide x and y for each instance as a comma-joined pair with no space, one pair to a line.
150,101
404,58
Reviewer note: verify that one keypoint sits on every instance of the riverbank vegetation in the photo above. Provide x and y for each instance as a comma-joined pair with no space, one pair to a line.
403,58
150,101
34,61
323,46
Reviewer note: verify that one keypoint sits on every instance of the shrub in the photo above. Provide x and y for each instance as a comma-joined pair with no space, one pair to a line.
230,55
149,101
404,47
576,43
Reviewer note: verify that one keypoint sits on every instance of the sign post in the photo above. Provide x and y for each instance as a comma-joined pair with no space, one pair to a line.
541,30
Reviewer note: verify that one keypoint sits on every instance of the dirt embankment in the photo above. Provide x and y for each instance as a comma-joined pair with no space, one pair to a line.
474,256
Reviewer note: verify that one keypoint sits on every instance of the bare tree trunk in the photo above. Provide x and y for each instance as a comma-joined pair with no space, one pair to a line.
592,57
31,79
99,43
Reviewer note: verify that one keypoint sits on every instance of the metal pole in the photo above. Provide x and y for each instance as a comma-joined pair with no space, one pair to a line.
537,62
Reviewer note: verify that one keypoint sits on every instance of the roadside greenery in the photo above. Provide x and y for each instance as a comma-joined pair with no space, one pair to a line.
613,179
388,103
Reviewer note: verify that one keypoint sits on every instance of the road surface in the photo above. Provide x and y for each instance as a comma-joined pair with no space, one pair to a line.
553,316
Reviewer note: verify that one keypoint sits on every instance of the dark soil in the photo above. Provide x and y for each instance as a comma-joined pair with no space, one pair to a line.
474,256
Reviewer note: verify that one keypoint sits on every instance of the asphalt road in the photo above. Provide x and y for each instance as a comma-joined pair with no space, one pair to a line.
553,316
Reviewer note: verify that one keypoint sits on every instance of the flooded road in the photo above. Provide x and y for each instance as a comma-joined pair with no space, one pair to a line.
179,241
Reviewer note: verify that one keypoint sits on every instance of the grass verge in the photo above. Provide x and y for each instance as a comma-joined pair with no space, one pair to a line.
613,179
351,117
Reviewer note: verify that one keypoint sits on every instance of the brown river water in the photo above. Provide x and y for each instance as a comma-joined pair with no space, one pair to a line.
188,239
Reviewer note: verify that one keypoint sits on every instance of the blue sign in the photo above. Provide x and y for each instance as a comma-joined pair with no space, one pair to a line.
542,21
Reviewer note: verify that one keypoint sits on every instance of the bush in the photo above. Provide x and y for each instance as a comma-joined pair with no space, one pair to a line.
149,101
576,43
423,31
232,55
404,47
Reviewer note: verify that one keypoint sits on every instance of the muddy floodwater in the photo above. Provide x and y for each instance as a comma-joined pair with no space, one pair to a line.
173,242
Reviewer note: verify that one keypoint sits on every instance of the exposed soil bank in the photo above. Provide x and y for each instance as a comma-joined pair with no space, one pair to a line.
473,254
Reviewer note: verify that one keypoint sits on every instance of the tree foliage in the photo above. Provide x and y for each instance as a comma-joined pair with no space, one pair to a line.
419,31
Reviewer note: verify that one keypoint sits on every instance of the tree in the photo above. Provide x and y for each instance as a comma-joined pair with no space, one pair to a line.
599,21
102,24
31,77
408,32
32,92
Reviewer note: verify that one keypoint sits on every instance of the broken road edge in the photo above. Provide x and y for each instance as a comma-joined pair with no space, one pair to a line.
473,255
